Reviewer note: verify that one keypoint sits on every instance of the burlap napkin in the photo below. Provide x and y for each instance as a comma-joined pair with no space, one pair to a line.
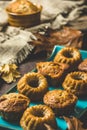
14,45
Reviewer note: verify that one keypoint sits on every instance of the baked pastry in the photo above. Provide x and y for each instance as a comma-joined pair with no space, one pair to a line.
69,55
35,118
33,85
83,66
76,83
60,101
54,72
12,106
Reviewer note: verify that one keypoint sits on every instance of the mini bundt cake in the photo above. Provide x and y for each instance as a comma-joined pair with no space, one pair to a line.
68,55
33,85
12,106
60,101
76,83
35,118
54,72
83,66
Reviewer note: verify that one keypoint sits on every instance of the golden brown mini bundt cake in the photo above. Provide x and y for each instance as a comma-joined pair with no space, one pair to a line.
76,82
54,72
33,85
35,118
12,106
83,66
68,55
60,101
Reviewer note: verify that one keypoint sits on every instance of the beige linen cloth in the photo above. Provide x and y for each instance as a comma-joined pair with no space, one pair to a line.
14,42
14,45
62,12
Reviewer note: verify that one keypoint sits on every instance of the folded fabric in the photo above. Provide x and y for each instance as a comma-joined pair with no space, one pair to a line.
15,47
62,12
3,14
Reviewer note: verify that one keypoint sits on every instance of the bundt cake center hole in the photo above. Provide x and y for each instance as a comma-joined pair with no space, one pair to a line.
38,113
68,54
77,77
33,83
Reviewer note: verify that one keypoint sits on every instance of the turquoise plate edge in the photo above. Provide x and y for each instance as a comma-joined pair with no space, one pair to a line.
62,125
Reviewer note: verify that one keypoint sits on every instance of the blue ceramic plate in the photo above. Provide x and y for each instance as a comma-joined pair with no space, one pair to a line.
80,106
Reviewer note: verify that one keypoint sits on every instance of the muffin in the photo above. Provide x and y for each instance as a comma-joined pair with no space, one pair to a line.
76,83
12,106
33,85
60,101
35,118
69,55
83,66
54,72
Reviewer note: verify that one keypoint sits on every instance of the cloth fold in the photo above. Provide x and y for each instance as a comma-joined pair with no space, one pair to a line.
15,47
61,12
3,14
